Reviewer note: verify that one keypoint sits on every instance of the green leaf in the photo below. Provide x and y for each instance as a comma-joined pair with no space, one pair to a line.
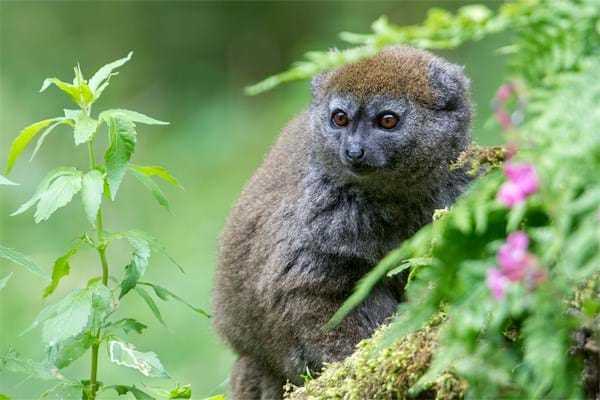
151,304
4,281
515,216
59,194
147,364
44,134
129,325
85,127
153,187
122,138
411,263
11,361
79,310
7,182
138,264
91,193
181,392
22,260
137,393
158,171
132,116
155,245
80,93
61,267
21,142
4,397
62,354
43,186
104,73
462,218
367,283
165,294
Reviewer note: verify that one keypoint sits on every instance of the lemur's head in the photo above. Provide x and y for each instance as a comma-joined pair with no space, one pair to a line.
402,113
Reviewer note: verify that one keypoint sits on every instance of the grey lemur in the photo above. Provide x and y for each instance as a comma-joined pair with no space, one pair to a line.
350,178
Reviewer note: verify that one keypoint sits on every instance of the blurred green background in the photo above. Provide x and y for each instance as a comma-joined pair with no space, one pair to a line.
191,62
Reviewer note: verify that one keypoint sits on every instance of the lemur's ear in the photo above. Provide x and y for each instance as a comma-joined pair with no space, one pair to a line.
319,83
449,85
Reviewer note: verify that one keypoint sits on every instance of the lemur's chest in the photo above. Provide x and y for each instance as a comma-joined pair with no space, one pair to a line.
344,221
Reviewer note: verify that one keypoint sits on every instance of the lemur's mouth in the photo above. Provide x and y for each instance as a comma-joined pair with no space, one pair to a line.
359,170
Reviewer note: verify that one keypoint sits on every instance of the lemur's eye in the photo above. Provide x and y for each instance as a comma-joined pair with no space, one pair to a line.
387,120
339,118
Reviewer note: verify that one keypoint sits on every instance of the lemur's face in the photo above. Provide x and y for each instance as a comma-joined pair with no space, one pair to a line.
394,118
366,136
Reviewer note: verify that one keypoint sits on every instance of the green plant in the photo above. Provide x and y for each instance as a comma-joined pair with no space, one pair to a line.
513,305
84,320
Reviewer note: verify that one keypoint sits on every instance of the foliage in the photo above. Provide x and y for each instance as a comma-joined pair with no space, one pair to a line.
84,319
387,374
512,309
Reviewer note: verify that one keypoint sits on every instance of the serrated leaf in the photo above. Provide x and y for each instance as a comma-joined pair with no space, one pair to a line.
12,362
64,353
22,260
137,393
4,281
23,139
85,127
61,267
129,115
147,364
64,391
45,134
155,245
165,294
7,182
151,304
91,194
66,318
43,186
129,325
79,310
81,93
105,71
158,171
137,266
122,138
153,187
59,194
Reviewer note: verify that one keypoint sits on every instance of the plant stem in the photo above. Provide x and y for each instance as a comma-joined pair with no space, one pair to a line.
101,247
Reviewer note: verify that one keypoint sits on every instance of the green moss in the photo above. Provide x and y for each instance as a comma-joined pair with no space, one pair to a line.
382,374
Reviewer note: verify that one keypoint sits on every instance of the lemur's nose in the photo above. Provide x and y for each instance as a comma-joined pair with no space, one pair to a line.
354,154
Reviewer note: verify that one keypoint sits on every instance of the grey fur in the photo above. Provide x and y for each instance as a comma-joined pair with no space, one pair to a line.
308,226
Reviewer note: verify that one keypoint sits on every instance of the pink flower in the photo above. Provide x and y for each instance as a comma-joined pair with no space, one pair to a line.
503,119
522,182
497,283
513,257
524,176
516,264
510,194
504,92
518,240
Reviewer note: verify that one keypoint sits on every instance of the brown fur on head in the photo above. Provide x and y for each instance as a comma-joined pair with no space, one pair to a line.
395,71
